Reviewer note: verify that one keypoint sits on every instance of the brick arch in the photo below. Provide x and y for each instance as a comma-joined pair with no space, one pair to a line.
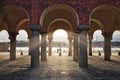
12,15
59,11
23,25
60,20
107,15
100,25
58,6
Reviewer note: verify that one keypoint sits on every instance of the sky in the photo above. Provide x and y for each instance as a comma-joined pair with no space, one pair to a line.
4,37
97,36
59,35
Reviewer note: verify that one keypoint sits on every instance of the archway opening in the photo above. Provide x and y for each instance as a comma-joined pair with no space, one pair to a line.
115,43
4,45
22,43
98,41
60,42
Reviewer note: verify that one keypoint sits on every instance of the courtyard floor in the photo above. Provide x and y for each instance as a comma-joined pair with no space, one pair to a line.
59,68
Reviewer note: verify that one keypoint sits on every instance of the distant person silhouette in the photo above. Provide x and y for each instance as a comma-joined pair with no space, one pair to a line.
99,53
119,53
60,54
21,52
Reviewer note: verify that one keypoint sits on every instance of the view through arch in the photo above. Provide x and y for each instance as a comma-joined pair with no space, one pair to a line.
22,42
98,41
60,42
115,42
4,41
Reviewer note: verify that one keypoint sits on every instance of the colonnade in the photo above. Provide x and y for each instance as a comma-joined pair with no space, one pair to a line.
107,45
79,46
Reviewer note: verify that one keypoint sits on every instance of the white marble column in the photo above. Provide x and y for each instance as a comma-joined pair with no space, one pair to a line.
75,47
70,47
43,47
35,62
50,47
107,45
12,37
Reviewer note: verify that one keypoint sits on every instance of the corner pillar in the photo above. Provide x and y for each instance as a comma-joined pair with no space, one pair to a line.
50,47
35,45
107,45
30,45
70,47
90,45
12,37
43,47
75,47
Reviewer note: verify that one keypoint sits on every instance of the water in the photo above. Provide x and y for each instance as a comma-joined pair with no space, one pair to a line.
95,49
54,49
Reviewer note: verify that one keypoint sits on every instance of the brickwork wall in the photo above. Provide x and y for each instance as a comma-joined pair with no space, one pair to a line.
82,7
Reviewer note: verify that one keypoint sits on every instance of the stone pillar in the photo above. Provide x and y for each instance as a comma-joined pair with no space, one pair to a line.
30,45
43,47
70,47
90,45
35,45
12,37
107,45
75,47
50,47
83,58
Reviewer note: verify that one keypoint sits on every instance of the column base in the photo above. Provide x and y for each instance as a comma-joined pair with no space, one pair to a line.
49,54
107,58
43,59
90,54
83,65
69,54
34,61
12,59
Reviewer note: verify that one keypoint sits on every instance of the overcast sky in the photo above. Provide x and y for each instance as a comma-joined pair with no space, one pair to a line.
57,36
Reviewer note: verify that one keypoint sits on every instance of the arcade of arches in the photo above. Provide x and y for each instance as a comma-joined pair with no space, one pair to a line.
43,21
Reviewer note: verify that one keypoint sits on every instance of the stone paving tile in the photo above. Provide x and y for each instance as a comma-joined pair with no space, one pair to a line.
59,68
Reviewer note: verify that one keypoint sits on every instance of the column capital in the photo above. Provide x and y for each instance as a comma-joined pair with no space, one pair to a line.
69,38
75,36
29,37
83,27
77,32
12,34
90,37
42,33
50,39
107,35
35,27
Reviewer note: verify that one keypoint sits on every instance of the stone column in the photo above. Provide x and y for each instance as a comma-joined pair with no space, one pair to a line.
90,45
12,37
30,45
75,47
50,47
83,57
70,47
35,45
107,45
43,47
